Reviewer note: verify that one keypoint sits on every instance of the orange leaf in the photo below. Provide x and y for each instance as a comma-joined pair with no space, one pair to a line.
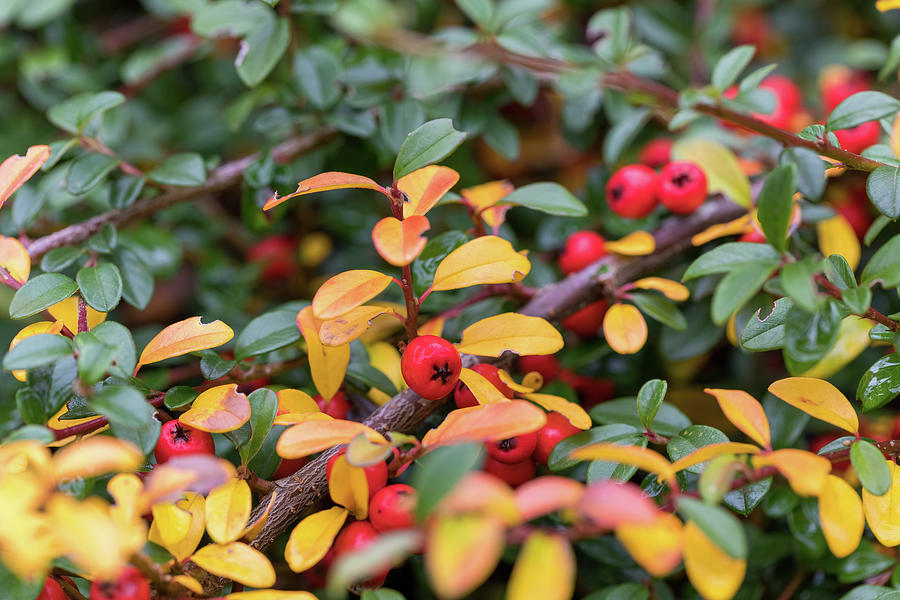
252,530
487,423
608,504
638,243
670,289
712,572
745,412
461,552
400,242
96,456
883,512
333,180
218,409
312,537
661,556
545,568
836,236
28,331
345,291
310,437
841,516
570,410
486,259
484,391
14,258
433,326
425,187
711,451
483,493
349,326
486,195
16,170
805,471
642,458
327,364
714,232
624,328
348,487
819,399
547,494
182,337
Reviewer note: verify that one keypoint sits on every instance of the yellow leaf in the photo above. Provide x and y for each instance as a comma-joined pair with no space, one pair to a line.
486,259
547,494
198,473
126,488
805,471
425,187
841,516
642,458
218,409
883,512
256,526
670,289
530,382
16,170
714,232
481,197
310,437
545,568
28,331
705,453
712,572
14,258
294,418
238,562
487,423
332,180
819,399
189,583
461,552
624,328
345,291
312,537
745,412
228,510
570,410
181,548
348,487
638,243
852,339
400,242
67,312
484,391
95,456
171,524
510,331
434,326
384,325
719,164
386,358
663,555
296,402
349,326
836,236
271,595
326,363
886,5
182,337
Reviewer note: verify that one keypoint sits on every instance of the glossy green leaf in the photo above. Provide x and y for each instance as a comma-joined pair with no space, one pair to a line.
796,280
880,383
730,256
87,171
861,108
775,205
118,337
39,293
37,351
435,251
765,331
809,336
650,397
884,266
720,526
737,287
60,258
94,357
263,406
185,170
267,332
668,421
746,498
429,143
871,467
690,439
660,308
101,286
180,396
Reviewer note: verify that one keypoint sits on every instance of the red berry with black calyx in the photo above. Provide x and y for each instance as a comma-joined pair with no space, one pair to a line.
338,406
513,474
430,366
129,585
631,191
513,450
587,321
178,439
289,466
392,507
376,475
682,187
545,364
582,249
357,536
656,153
556,429
52,590
464,397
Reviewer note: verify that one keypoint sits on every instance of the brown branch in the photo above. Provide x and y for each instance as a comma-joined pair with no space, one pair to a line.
871,314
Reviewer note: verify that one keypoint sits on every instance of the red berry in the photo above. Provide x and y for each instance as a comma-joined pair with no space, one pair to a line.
557,428
130,585
856,139
682,187
376,475
513,474
591,391
587,321
837,83
788,97
513,450
753,236
289,466
582,249
430,366
656,153
392,507
545,364
178,439
338,406
276,255
52,591
464,397
356,536
317,576
631,191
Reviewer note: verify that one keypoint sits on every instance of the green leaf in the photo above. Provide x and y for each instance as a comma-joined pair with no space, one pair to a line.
429,143
521,84
660,308
731,256
397,119
121,404
267,332
766,332
752,81
838,272
364,376
719,164
101,286
884,266
60,258
381,594
650,397
744,499
88,170
719,525
883,189
730,66
94,357
604,470
19,589
180,396
435,251
623,133
547,197
737,287
809,336
796,280
880,333
104,240
668,420
560,460
690,439
137,280
118,337
503,137
625,591
871,467
481,12
39,433
39,293
74,114
860,108
37,351
810,170
875,228
125,190
316,72
858,299
213,366
185,169
775,204
261,50
880,383
440,470
263,406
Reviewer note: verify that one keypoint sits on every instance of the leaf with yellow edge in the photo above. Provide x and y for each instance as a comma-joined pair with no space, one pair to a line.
883,512
425,187
400,242
312,537
624,328
712,572
836,236
95,456
236,561
328,364
841,516
517,333
348,487
271,595
636,456
719,164
487,423
349,326
332,180
295,401
183,337
805,471
486,259
819,399
14,258
218,409
484,391
16,170
345,291
294,418
28,331
852,339
670,289
461,552
745,412
181,548
545,568
67,312
189,583
228,510
663,555
528,385
719,230
310,437
544,495
570,410
638,243
705,453
256,526
486,195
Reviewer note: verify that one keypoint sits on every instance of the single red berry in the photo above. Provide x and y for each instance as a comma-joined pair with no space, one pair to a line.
513,474
591,391
557,429
356,536
317,575
631,191
289,466
376,475
856,139
130,585
545,364
788,100
430,366
52,591
753,236
338,406
587,321
178,439
656,153
513,450
392,507
277,255
464,397
582,249
682,187
838,82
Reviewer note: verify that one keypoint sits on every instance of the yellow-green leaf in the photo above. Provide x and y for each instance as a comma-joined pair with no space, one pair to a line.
545,569
181,548
661,556
486,259
836,236
345,291
348,487
883,512
517,333
461,552
484,391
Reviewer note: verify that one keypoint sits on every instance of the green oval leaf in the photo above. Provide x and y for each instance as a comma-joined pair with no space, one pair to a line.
428,144
37,351
649,399
861,108
39,293
547,197
101,286
871,467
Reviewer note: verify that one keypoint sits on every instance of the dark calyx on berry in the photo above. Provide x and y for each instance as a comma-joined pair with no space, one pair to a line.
444,373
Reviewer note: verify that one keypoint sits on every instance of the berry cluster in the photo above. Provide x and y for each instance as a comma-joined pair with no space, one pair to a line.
634,191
